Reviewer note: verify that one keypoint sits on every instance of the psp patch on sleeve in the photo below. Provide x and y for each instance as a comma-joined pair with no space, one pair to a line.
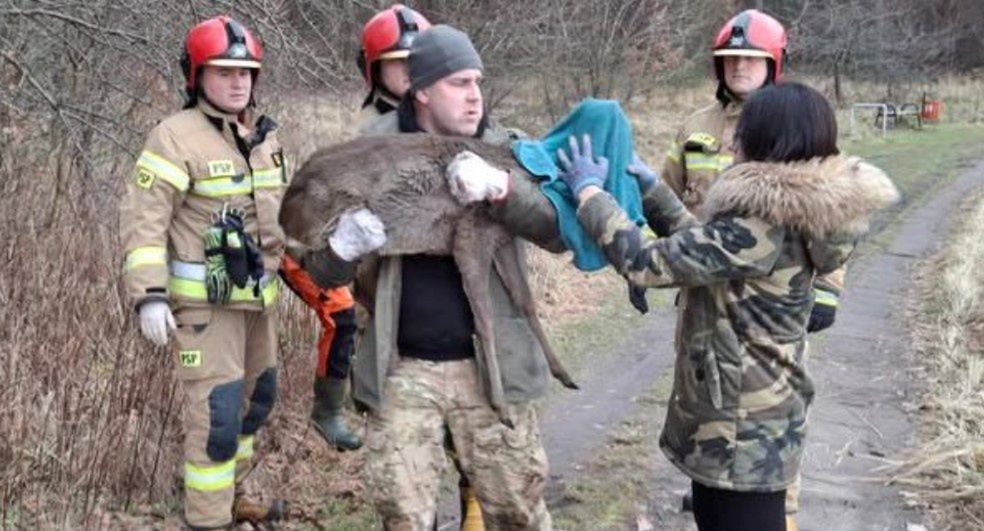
190,359
145,178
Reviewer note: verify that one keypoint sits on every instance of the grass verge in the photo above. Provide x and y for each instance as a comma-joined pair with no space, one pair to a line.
918,162
916,159
947,475
614,491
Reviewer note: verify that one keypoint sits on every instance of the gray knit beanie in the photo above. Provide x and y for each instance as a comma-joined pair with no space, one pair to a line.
438,52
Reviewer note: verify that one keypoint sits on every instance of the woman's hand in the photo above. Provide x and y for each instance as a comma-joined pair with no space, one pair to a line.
581,170
646,177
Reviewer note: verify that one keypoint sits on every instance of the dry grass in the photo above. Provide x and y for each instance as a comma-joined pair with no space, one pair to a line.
948,475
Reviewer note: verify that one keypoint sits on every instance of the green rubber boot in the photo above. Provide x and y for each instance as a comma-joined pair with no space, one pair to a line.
327,414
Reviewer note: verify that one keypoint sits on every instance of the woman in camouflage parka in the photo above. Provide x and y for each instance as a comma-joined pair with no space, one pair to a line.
795,208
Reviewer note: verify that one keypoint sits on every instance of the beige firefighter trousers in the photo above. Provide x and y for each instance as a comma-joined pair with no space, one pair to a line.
226,363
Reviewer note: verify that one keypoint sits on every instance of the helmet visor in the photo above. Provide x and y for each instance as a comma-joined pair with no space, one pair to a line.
240,63
741,52
395,54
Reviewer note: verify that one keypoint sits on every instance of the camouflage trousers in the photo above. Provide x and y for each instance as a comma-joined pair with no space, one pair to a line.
406,452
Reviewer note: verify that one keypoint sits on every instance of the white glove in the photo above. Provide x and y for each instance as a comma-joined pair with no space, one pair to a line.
156,321
472,179
359,232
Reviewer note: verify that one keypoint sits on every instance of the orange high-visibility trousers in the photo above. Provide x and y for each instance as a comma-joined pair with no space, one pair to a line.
324,302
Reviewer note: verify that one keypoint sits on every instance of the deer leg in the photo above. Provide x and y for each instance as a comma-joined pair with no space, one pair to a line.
474,259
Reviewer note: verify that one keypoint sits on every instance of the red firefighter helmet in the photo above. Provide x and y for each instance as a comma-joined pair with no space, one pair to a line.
388,35
752,33
219,41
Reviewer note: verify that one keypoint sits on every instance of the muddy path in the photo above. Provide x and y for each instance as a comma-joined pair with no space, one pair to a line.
860,419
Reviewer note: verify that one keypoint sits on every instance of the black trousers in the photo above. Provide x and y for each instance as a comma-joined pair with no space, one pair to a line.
340,352
728,510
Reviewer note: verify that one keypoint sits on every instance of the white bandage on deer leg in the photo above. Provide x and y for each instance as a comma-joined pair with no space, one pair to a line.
358,233
471,179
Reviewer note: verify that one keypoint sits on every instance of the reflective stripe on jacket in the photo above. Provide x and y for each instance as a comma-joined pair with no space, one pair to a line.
701,149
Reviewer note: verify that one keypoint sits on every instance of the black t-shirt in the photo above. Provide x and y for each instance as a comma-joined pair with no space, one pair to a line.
436,321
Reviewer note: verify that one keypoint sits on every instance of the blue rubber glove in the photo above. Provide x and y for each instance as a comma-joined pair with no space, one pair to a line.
581,169
646,177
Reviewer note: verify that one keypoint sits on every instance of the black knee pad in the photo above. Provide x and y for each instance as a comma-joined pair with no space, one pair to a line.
342,344
261,403
223,431
344,321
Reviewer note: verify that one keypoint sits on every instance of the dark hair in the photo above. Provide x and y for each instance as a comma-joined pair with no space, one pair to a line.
786,122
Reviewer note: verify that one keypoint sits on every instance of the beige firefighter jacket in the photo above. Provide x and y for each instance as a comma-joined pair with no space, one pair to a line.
701,149
190,169
704,147
370,114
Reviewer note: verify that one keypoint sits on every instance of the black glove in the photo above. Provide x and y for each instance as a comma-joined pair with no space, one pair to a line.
242,256
637,296
824,310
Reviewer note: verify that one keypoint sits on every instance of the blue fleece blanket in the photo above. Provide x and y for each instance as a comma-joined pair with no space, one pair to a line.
611,137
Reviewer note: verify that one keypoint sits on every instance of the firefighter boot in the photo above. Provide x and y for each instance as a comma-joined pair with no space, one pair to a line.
244,510
471,511
327,414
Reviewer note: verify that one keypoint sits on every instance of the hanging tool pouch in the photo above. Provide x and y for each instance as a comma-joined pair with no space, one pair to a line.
231,257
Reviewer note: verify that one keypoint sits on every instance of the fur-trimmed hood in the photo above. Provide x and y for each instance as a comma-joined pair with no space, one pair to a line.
818,196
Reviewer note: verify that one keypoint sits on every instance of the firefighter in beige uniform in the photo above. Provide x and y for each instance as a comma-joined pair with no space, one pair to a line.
200,233
386,40
702,147
748,49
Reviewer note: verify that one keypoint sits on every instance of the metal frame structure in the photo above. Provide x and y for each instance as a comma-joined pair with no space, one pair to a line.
884,110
